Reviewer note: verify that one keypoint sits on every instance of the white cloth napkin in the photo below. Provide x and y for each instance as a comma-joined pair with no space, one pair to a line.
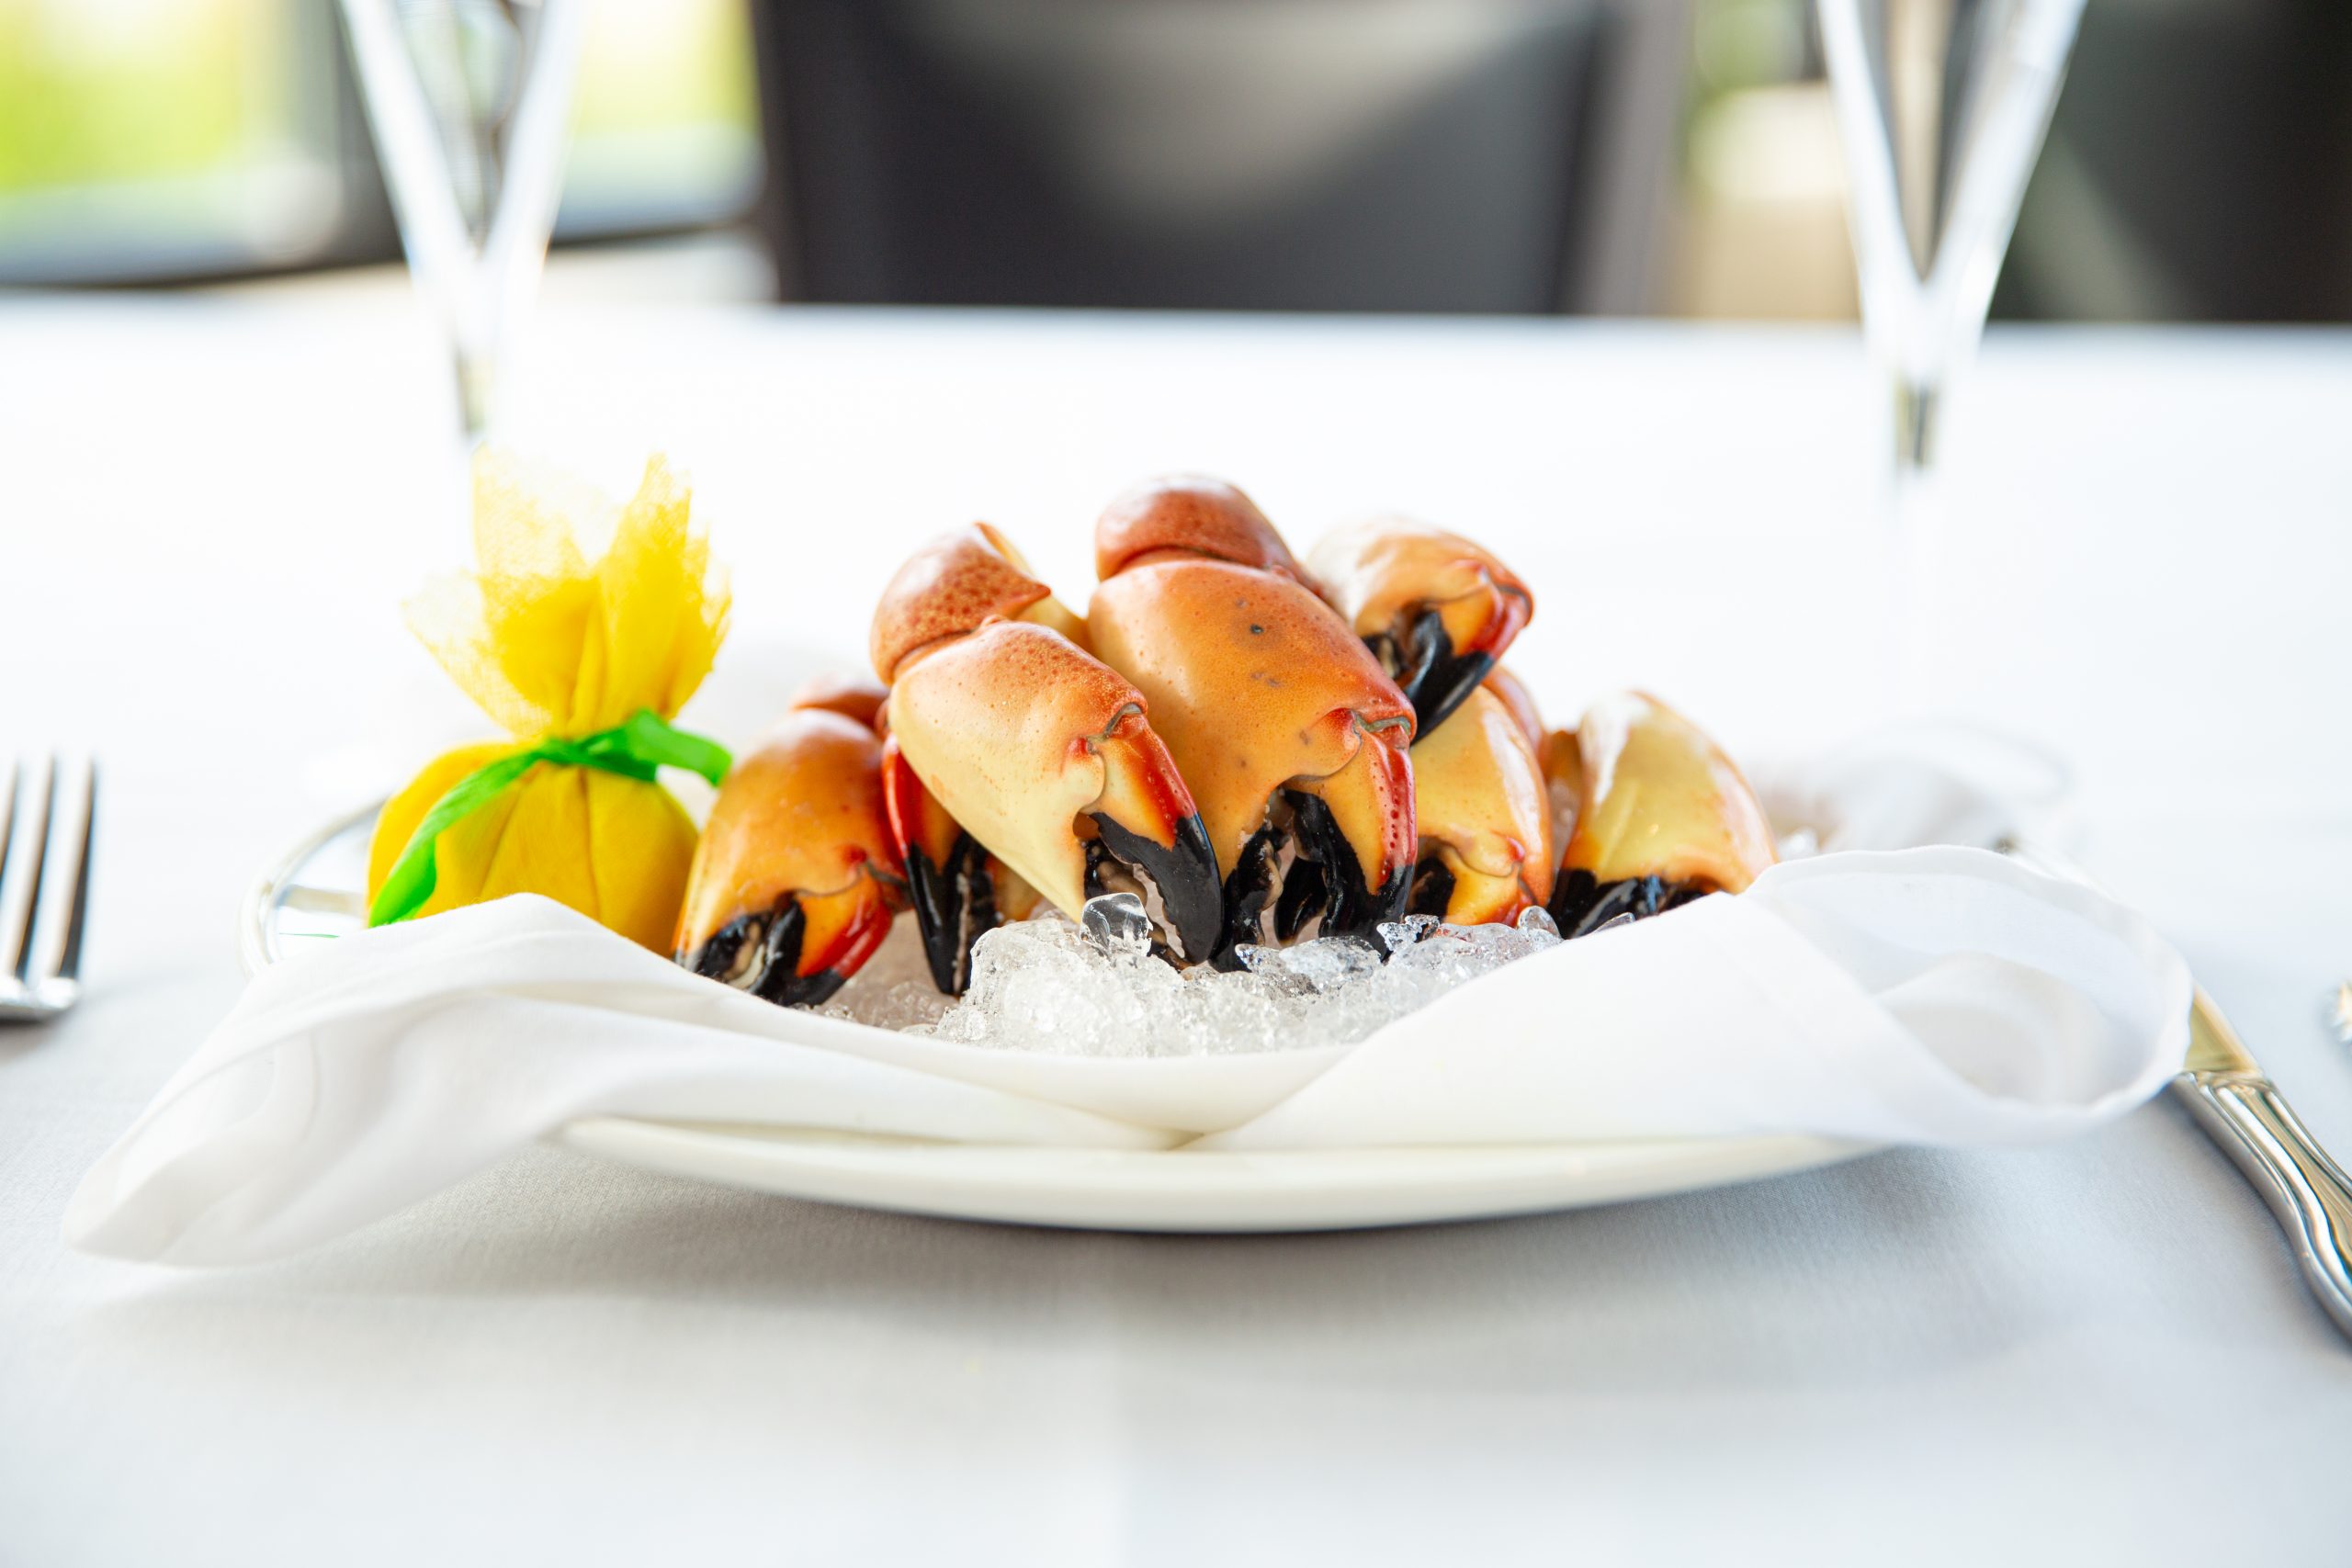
1926,996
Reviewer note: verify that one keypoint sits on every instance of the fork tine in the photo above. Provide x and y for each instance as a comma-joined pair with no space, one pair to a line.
20,870
54,952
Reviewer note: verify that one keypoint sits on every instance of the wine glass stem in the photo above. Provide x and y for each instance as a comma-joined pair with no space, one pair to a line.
1917,406
1915,547
477,388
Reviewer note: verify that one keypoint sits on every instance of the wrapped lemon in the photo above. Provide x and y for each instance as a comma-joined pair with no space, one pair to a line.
584,663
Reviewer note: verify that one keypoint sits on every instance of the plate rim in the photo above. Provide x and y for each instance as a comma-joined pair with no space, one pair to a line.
257,945
1163,1191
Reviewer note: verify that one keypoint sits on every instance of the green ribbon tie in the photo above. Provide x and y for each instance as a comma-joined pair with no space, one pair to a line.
636,749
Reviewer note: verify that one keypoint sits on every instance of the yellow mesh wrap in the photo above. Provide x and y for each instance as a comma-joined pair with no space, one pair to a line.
549,642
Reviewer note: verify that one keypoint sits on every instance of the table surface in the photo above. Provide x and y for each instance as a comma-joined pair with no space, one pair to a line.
211,509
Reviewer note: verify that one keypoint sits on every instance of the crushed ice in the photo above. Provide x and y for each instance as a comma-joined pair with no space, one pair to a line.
1052,983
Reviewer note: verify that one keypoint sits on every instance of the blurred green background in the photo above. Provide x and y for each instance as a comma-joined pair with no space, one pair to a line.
150,137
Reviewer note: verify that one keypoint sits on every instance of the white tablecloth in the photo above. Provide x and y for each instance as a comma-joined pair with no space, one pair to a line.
2094,1352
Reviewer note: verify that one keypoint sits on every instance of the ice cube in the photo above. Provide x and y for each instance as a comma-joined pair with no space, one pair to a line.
1116,922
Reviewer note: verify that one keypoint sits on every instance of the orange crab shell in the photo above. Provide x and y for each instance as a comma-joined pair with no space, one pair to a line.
1194,516
1377,570
854,697
801,816
1017,732
1253,684
1482,803
1520,703
918,822
1656,798
954,585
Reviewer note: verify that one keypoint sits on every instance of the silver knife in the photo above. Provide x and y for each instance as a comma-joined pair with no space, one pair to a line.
2230,1095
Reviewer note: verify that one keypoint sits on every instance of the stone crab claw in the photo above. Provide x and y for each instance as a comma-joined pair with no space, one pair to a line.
1041,752
1186,515
1520,703
1663,816
1294,739
959,889
1437,609
796,878
852,696
1485,816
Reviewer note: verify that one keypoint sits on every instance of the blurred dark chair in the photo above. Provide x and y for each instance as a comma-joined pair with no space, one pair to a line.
2198,168
1434,155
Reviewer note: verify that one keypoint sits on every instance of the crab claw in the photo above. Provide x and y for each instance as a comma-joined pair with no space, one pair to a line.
1520,703
1293,740
1047,758
1564,783
1438,609
796,878
1192,515
857,700
949,876
953,586
1663,816
1043,753
1485,816
958,888
1354,829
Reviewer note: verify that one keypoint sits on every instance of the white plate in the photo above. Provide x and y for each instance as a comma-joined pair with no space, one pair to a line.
315,893
1126,1190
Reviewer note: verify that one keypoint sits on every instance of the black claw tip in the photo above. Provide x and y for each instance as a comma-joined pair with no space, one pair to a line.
1581,904
1433,889
777,935
1434,678
1244,897
1185,873
953,904
715,959
1324,879
1353,907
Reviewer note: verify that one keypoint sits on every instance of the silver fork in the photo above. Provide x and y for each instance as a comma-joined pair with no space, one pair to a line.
46,822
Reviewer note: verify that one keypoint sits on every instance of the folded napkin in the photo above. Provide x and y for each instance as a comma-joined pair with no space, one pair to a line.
1934,996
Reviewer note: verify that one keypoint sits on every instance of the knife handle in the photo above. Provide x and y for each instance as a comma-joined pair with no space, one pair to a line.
2309,1192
